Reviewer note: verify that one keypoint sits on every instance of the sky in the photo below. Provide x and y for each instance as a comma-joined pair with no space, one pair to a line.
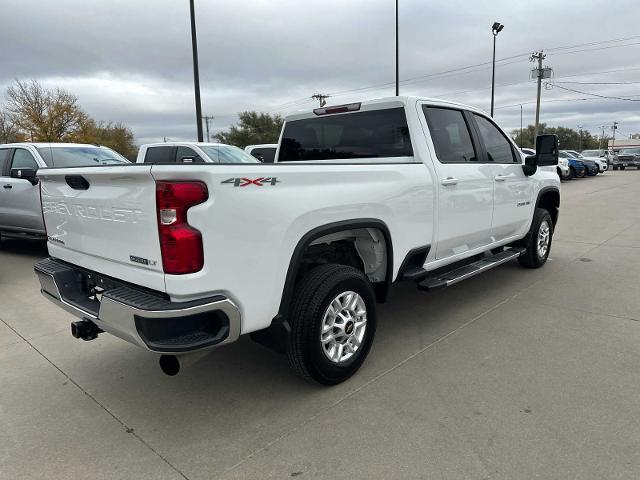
130,61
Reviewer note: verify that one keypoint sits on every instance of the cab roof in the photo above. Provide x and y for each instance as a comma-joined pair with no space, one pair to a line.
383,103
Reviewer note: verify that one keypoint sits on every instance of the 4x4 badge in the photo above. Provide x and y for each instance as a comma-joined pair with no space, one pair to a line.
244,182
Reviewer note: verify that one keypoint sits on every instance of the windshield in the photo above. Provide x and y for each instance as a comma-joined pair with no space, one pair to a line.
227,154
80,156
630,150
565,154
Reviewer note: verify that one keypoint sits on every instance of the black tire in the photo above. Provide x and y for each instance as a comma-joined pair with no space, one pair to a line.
531,257
622,167
615,167
583,174
313,295
572,173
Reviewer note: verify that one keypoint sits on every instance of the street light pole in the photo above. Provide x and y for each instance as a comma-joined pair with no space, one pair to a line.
196,74
496,28
397,56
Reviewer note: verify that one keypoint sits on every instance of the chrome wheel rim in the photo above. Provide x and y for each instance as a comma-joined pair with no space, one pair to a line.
343,327
544,236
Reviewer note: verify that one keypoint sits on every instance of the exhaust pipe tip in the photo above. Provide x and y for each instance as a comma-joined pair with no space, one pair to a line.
170,365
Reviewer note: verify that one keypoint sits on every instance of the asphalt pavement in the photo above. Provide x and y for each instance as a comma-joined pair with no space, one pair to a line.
513,374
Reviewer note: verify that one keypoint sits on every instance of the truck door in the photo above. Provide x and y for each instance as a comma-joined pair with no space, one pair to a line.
465,183
20,202
513,189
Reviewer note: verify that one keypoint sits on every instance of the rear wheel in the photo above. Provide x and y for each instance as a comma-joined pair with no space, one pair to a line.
582,173
622,167
333,322
615,167
538,240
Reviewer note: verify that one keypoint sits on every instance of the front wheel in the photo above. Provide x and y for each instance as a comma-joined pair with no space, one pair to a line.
333,322
583,173
622,167
538,240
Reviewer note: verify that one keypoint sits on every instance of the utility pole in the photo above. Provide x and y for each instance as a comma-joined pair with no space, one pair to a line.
322,98
614,128
521,142
196,74
496,28
601,138
397,56
580,127
540,73
206,122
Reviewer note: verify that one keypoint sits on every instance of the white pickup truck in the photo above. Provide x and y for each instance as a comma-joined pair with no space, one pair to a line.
179,259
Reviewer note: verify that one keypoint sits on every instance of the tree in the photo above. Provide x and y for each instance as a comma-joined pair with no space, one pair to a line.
9,132
253,128
116,136
568,138
43,115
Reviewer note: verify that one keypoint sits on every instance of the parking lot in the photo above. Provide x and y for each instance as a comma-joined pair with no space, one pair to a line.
513,374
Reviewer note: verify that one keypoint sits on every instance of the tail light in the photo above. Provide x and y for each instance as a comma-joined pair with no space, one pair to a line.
180,243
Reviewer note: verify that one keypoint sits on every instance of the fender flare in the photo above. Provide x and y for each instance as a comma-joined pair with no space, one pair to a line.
545,190
296,258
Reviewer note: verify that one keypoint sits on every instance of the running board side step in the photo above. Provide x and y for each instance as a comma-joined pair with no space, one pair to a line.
446,279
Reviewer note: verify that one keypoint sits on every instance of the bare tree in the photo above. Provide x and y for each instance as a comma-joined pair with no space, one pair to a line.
44,115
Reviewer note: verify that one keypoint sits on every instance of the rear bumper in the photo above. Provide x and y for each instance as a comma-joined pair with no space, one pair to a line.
139,316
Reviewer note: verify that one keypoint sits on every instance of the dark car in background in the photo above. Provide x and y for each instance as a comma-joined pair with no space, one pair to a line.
627,157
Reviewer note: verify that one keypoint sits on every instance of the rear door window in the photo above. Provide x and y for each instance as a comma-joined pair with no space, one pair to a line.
450,135
160,155
373,134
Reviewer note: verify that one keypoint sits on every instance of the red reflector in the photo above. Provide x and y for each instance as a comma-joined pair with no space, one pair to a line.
352,107
180,243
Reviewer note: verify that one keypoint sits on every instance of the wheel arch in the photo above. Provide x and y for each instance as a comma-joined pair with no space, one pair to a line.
549,199
329,229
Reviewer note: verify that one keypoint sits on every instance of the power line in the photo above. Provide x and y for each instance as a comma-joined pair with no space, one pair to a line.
602,83
565,47
592,94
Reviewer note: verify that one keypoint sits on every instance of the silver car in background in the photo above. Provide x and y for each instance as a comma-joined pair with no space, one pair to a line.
20,209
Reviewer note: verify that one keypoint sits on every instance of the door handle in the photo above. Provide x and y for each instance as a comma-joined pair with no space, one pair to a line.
450,181
500,178
8,185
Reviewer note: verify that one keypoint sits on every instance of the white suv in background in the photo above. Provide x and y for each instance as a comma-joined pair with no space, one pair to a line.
20,210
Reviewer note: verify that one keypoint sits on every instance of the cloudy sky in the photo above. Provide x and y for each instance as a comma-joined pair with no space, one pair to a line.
130,61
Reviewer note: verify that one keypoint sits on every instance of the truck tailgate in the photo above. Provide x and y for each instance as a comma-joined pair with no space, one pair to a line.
104,219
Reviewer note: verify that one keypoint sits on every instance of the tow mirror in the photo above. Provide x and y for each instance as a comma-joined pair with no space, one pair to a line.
547,150
546,154
28,174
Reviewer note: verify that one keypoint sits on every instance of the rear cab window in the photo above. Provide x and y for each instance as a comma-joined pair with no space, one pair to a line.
382,133
266,154
160,155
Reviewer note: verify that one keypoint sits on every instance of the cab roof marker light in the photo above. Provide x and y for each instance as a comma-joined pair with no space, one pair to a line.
351,107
